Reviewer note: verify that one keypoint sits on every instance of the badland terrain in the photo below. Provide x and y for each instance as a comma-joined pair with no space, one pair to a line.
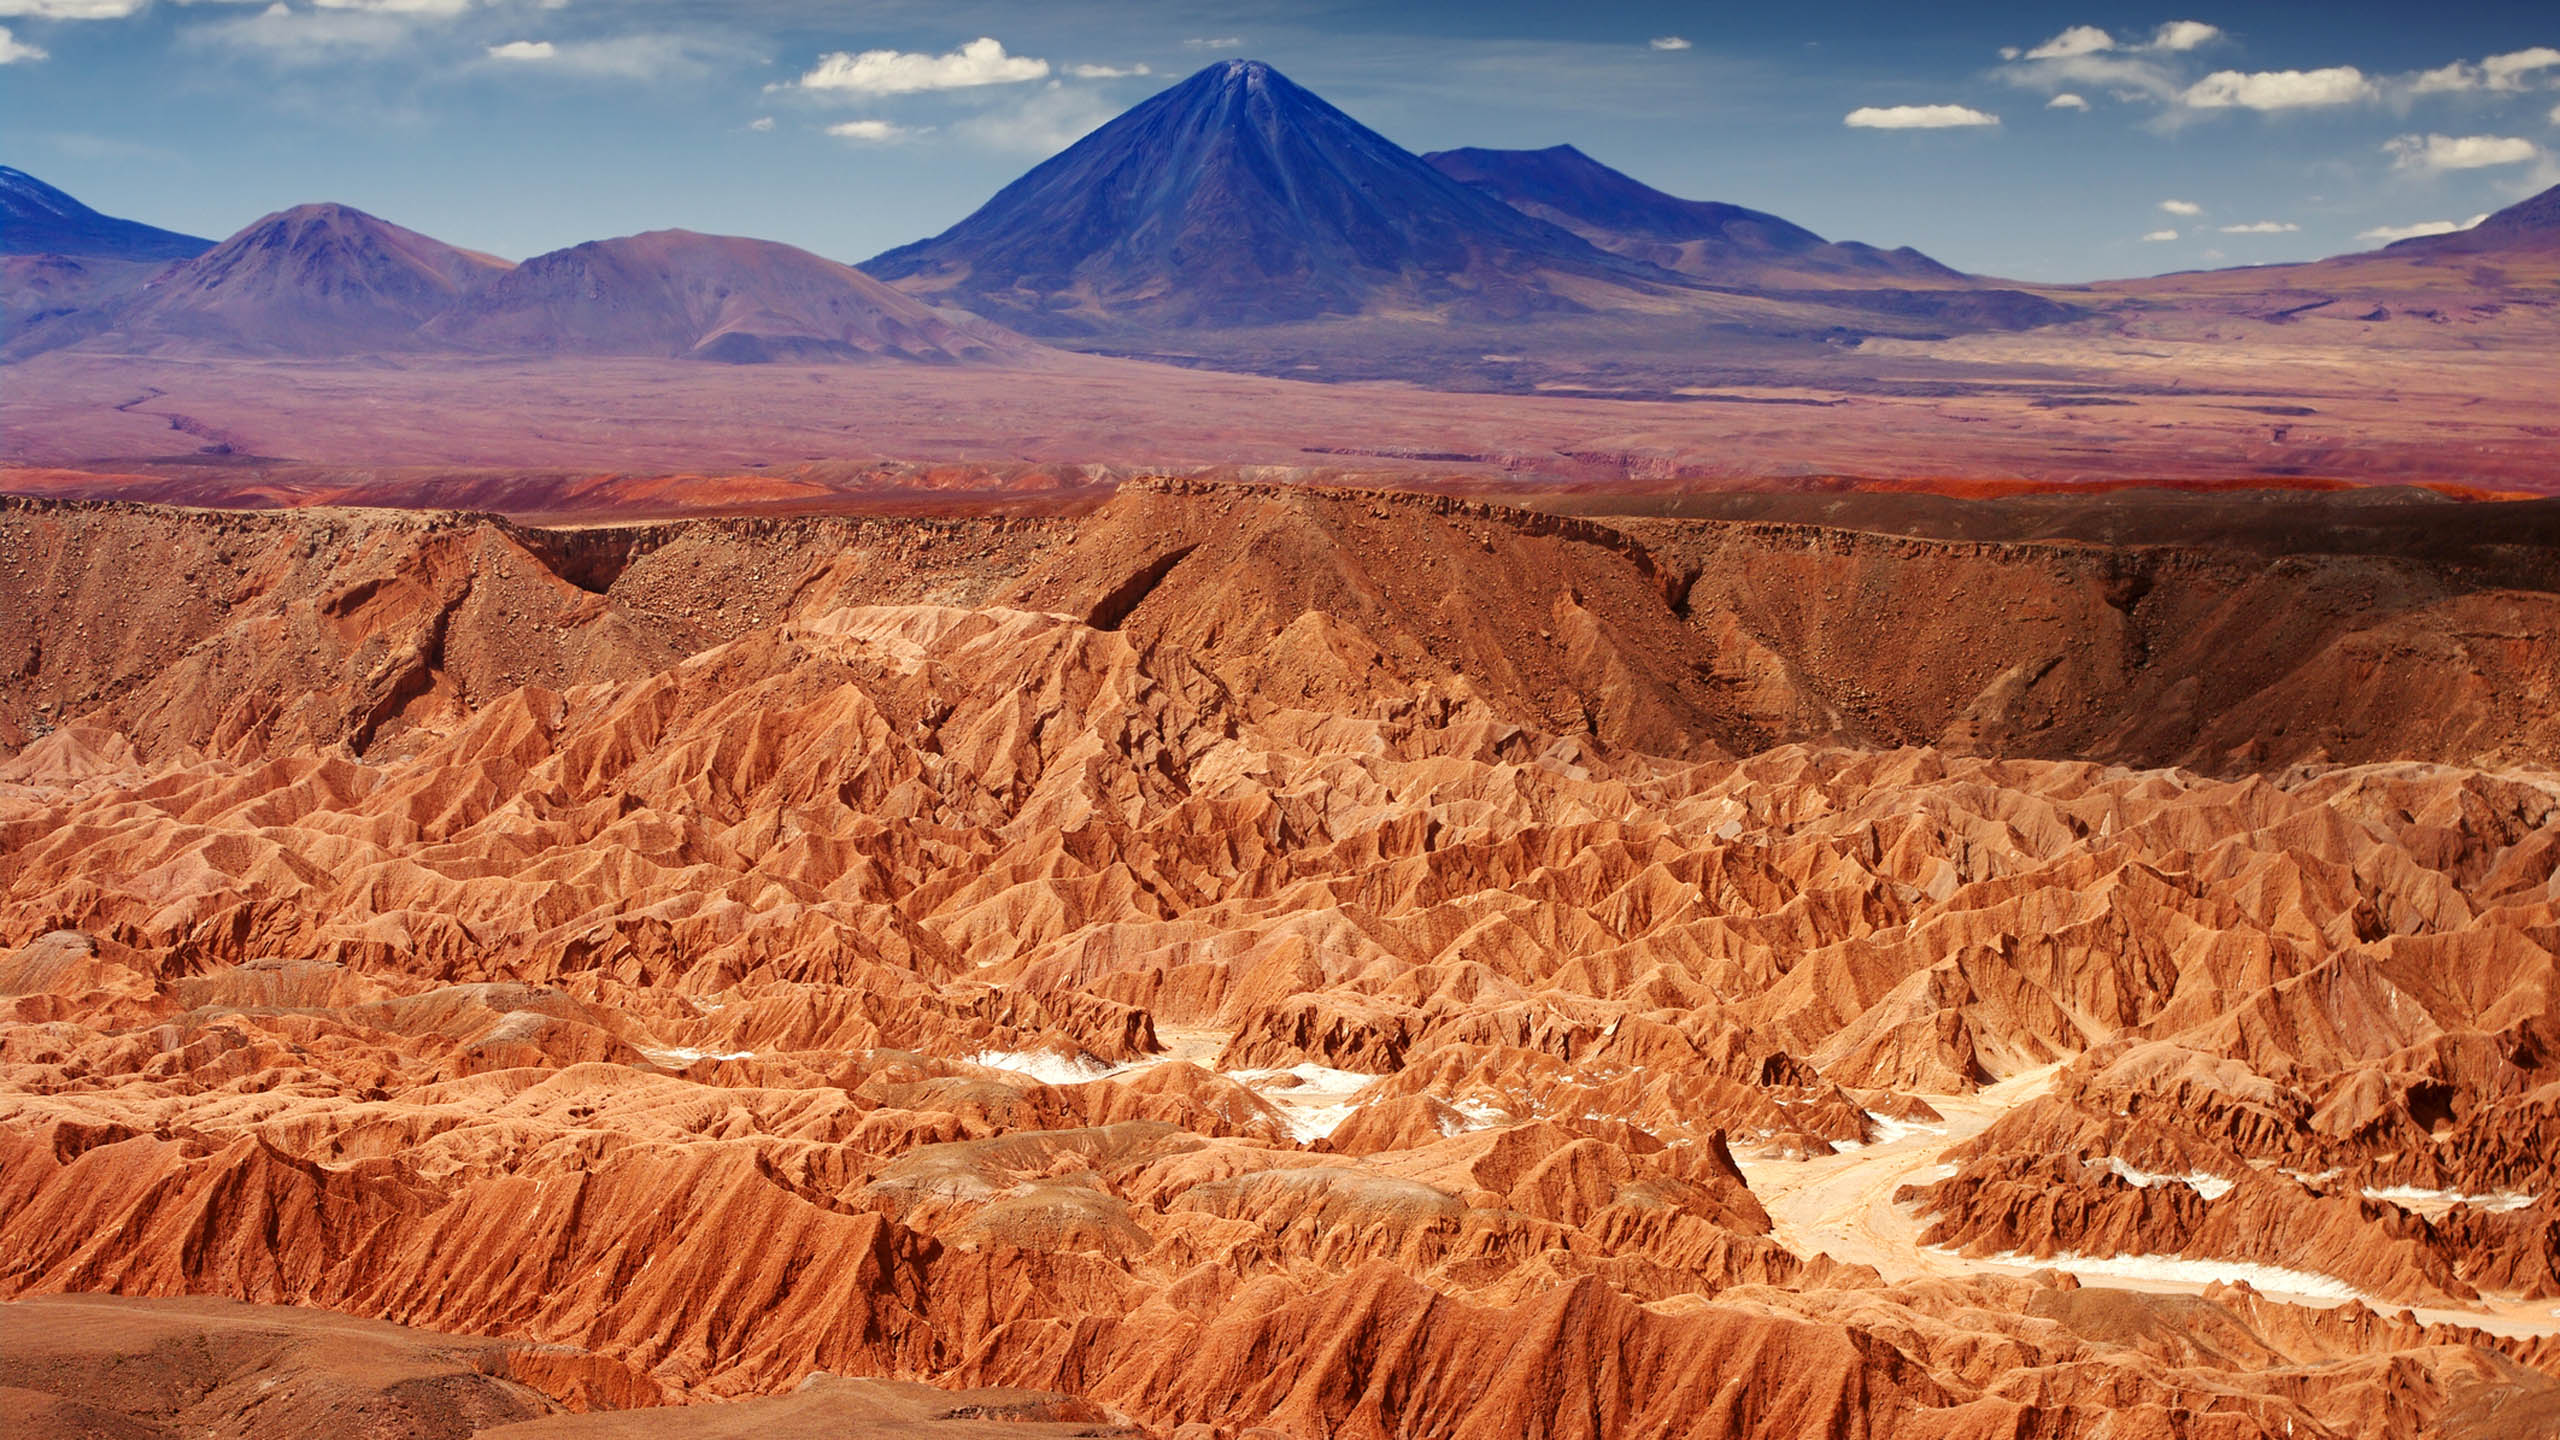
1080,831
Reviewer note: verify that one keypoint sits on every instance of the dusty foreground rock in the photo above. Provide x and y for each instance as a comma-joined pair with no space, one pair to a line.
1345,965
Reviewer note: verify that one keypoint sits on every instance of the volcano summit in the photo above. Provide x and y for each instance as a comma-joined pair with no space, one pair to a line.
1240,198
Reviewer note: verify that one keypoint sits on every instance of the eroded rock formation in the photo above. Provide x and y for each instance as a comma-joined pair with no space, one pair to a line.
1348,965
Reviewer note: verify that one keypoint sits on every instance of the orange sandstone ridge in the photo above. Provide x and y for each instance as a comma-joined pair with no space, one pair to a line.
1248,959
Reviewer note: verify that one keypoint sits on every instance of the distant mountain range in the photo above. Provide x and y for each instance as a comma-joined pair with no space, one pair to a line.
1234,220
321,281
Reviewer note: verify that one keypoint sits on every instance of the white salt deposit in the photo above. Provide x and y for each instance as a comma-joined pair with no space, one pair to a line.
1472,1115
683,1055
2211,1187
1316,1105
1312,1080
2178,1269
1047,1067
2411,1197
1889,1132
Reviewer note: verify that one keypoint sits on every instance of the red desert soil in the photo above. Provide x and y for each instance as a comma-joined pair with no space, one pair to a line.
2105,398
1349,964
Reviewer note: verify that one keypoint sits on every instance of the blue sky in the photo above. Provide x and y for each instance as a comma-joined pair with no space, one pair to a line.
2218,134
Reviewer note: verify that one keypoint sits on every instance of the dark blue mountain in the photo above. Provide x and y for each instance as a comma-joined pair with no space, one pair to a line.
1237,198
37,219
1702,239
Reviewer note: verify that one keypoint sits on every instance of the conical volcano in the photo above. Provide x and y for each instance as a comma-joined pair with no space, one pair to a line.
1240,198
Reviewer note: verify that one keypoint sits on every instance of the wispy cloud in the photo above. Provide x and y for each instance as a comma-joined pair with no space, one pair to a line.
2262,227
70,9
2458,152
1917,117
870,132
2182,207
762,124
1214,42
1107,72
982,61
621,57
1043,123
2156,236
283,35
2389,233
2279,89
397,7
2180,36
2509,72
2066,101
1670,42
13,50
2078,40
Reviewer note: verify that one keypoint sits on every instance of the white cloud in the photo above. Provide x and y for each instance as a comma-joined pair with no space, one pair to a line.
641,57
2183,35
2078,40
2458,152
2182,207
2157,236
2555,114
1107,72
871,132
895,72
70,9
12,50
2278,89
1214,42
1916,117
762,124
2509,72
2262,227
2066,101
2388,233
524,50
2460,75
1669,42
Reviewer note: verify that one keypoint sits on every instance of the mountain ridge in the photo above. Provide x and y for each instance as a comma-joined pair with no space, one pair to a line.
1707,240
2532,223
712,297
41,219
